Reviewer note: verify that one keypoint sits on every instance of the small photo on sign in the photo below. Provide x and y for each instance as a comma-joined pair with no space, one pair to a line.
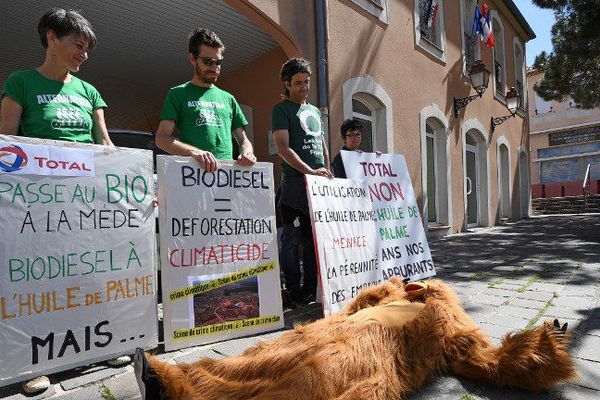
233,302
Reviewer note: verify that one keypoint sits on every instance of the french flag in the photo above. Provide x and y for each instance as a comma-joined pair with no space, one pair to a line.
482,24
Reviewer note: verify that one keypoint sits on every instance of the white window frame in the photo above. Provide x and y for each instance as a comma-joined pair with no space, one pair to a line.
367,90
379,11
443,201
481,135
365,117
499,35
467,13
424,43
502,141
520,71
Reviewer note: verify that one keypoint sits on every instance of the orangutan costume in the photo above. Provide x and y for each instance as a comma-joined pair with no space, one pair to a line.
388,342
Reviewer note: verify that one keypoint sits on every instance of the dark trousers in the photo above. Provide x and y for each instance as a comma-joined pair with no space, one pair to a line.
291,238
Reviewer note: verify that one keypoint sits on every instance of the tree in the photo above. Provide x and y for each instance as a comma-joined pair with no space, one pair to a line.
573,68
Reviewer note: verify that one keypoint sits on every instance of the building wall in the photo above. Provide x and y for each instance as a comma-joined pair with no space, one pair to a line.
414,80
554,118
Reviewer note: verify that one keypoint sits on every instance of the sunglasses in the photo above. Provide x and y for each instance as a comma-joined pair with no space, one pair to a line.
209,62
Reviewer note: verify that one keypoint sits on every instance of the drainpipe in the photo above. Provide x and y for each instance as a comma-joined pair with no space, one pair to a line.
322,68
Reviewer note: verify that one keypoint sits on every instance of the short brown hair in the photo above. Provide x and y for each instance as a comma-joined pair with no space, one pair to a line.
203,37
65,22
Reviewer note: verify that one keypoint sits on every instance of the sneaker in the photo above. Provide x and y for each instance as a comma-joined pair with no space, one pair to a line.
35,385
117,362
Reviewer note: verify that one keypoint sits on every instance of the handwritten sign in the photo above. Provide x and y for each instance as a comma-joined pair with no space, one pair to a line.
76,255
220,271
404,250
346,240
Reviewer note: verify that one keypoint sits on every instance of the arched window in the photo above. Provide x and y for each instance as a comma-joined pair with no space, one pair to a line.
499,59
364,99
362,112
436,170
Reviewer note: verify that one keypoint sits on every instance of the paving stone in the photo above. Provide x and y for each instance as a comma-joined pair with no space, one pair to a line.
90,375
545,287
507,285
494,331
443,388
589,348
526,303
561,312
575,302
124,387
196,355
578,290
513,323
589,373
575,392
520,312
15,392
494,393
592,327
235,347
88,393
535,295
500,292
489,300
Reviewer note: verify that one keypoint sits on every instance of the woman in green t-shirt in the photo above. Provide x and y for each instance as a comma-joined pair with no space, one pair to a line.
48,102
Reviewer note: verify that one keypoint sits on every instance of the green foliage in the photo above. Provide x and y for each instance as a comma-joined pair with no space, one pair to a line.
573,68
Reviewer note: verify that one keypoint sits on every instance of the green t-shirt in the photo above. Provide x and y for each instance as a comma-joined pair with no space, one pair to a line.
53,109
205,117
303,123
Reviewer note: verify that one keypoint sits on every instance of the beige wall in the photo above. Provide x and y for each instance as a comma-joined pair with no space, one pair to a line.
256,85
563,117
414,79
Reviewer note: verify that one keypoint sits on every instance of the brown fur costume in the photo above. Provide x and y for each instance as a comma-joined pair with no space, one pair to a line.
342,358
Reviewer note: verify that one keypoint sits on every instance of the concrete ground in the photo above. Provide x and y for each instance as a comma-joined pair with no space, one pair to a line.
508,278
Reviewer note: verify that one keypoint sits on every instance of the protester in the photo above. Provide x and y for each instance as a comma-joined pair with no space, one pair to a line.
49,102
204,115
300,143
351,135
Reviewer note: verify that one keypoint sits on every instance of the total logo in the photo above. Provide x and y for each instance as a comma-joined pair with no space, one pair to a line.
12,158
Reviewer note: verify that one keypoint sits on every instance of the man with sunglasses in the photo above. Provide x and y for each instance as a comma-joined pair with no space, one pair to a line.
204,115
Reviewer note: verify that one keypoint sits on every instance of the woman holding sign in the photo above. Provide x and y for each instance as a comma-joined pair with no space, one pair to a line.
49,102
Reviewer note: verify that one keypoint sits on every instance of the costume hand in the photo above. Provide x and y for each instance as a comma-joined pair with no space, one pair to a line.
246,159
206,159
322,172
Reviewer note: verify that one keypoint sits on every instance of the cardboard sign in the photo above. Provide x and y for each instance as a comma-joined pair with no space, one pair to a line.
77,256
220,270
404,250
345,239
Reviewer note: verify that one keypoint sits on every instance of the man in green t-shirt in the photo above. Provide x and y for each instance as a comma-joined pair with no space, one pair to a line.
204,115
301,144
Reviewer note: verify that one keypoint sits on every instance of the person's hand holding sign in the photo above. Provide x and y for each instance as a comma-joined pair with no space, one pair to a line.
322,172
246,159
206,159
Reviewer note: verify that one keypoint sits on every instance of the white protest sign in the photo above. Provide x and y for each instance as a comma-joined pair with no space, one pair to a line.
404,250
345,237
220,270
77,257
